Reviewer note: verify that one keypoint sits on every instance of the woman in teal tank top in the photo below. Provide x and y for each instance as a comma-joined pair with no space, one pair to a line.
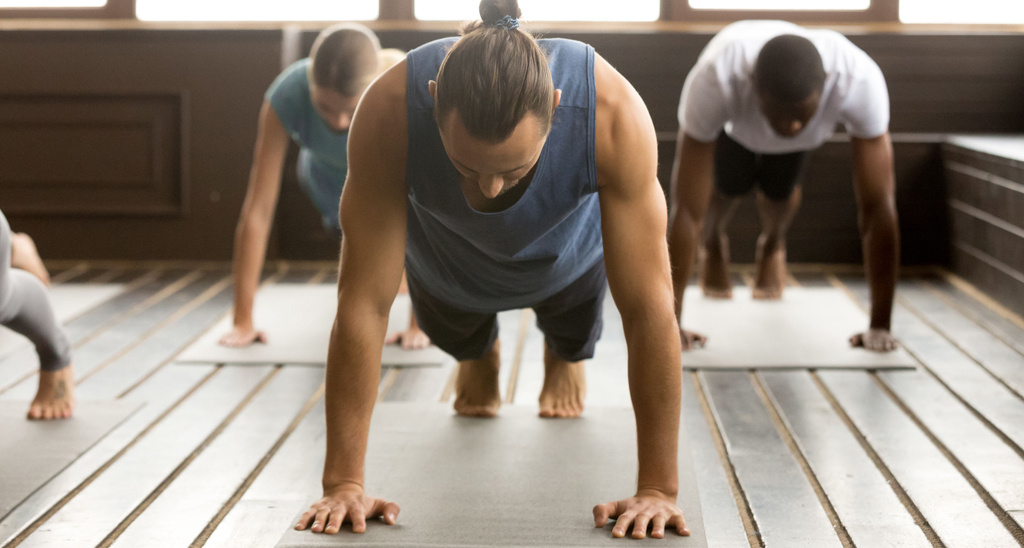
311,102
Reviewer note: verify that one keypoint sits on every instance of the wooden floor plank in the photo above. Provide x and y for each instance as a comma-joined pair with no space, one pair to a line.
181,512
1003,361
949,503
171,336
160,393
722,523
1005,325
290,480
134,339
962,375
996,466
95,512
784,505
869,510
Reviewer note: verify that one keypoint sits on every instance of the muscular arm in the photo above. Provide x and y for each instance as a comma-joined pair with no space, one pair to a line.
255,220
875,187
636,257
373,209
692,182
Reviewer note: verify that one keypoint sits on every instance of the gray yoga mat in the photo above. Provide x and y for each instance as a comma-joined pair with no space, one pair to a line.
69,301
809,328
298,321
32,452
517,480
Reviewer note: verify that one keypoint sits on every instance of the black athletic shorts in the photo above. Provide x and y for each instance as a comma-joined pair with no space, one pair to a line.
738,169
570,320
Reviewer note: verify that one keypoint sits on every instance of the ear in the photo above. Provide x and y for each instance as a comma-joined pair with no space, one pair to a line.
558,98
432,86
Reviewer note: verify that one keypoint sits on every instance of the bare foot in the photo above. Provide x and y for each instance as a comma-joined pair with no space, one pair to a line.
565,387
476,386
713,269
770,274
56,396
25,256
411,339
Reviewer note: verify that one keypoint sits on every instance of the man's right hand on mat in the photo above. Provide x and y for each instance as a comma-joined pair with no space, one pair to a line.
646,508
691,339
243,336
346,504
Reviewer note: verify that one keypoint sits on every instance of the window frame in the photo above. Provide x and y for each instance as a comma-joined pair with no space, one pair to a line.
114,9
878,11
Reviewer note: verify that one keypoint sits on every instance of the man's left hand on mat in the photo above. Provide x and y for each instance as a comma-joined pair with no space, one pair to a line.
645,509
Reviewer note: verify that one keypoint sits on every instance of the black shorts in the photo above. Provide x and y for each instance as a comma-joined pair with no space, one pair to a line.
738,169
571,320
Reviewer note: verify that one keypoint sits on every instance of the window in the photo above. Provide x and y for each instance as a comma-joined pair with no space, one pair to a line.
31,4
546,10
780,4
959,11
255,10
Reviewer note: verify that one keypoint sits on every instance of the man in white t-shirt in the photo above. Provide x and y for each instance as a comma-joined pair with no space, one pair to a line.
778,91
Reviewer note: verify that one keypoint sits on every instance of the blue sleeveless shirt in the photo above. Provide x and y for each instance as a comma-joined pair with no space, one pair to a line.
515,258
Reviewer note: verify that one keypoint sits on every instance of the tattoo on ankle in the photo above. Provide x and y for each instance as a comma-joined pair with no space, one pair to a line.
61,391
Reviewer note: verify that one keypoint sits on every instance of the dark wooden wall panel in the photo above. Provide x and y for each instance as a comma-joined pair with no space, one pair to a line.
939,83
222,73
986,204
93,155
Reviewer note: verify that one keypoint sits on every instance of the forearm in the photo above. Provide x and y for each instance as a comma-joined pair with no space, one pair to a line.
881,246
353,374
249,254
655,379
682,243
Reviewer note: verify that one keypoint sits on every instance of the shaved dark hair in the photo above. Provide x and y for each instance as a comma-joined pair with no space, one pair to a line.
789,69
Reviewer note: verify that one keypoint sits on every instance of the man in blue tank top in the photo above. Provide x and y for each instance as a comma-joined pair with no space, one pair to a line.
504,172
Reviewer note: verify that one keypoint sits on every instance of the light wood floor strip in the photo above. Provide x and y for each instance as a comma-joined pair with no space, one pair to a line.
750,524
785,506
870,511
92,514
990,400
162,395
723,524
179,514
949,503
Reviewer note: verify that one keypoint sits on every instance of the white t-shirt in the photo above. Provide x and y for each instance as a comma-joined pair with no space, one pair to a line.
719,92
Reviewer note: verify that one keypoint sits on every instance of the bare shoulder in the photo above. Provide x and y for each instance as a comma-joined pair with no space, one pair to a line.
627,148
379,125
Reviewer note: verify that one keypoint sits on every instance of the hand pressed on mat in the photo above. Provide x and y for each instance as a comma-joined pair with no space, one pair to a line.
346,503
647,507
875,339
242,336
691,340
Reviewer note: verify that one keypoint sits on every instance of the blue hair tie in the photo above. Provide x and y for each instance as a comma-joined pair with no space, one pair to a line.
507,22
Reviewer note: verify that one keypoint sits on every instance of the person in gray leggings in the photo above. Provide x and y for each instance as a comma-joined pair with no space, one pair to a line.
25,308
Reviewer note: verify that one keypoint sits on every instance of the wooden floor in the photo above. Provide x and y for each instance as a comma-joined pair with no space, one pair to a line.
933,457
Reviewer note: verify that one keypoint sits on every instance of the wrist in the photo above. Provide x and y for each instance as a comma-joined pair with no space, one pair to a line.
663,492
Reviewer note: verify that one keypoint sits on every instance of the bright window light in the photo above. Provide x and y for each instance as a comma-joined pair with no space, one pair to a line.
546,10
256,10
52,3
959,11
816,5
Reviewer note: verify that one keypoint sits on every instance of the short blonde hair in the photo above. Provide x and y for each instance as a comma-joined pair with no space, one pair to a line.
344,58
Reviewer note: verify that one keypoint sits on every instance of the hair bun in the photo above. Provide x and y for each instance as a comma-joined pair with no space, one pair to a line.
492,11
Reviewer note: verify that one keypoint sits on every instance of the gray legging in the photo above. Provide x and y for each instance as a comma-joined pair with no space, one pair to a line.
25,308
